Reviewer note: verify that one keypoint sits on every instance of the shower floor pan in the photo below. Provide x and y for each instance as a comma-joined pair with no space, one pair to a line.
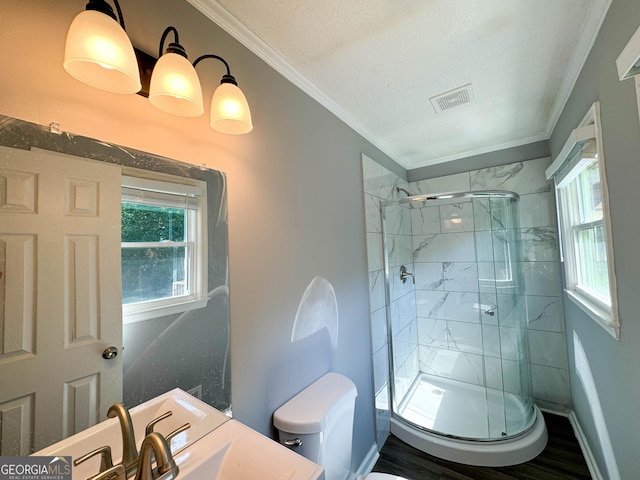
462,417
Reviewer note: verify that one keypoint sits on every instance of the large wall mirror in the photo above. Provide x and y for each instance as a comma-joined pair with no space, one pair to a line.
113,282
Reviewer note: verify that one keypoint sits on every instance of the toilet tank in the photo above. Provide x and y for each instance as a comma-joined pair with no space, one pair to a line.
320,420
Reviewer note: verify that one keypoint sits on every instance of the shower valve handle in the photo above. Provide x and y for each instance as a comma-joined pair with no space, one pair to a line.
404,275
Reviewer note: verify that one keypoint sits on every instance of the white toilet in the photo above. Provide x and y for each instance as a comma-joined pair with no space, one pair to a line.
318,424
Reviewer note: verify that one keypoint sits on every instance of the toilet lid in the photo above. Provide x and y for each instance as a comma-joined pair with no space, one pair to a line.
383,476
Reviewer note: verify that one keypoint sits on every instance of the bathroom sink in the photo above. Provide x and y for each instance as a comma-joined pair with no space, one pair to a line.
186,409
215,447
236,452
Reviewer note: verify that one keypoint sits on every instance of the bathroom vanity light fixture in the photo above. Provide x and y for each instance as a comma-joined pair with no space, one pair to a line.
99,53
229,108
175,87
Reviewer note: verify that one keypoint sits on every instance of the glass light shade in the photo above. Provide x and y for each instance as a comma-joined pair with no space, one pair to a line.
175,87
230,111
98,52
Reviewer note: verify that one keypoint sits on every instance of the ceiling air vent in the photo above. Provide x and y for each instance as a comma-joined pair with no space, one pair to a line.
453,98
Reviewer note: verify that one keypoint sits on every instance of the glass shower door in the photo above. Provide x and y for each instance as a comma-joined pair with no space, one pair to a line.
458,352
509,404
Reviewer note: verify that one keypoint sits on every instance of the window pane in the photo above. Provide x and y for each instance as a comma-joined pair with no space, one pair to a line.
592,269
589,193
148,223
153,273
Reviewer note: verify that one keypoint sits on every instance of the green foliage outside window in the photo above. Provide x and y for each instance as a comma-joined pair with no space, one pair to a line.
148,223
158,271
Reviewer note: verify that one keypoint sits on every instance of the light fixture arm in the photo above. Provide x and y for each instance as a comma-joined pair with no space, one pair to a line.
228,78
103,7
174,47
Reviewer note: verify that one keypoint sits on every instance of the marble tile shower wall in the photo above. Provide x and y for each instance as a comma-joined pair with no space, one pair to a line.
379,185
447,275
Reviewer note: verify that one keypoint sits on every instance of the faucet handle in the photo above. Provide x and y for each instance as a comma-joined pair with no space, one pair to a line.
177,431
153,422
106,462
117,472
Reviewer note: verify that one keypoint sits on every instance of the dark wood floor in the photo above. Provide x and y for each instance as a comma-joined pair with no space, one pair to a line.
561,460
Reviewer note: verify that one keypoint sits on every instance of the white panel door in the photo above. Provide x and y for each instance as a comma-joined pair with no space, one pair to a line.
60,296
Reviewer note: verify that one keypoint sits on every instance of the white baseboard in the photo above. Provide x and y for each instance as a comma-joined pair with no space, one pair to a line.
582,441
369,461
563,413
555,408
584,446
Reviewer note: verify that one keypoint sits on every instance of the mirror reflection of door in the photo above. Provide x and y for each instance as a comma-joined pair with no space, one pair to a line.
60,296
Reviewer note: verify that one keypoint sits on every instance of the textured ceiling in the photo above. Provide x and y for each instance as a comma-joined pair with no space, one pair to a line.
376,63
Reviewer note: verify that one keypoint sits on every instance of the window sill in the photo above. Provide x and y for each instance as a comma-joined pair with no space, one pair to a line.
601,316
163,311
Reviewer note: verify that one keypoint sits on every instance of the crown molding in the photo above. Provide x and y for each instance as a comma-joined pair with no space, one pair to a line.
590,28
480,151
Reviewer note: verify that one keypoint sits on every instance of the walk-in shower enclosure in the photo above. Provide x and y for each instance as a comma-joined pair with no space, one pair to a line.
456,322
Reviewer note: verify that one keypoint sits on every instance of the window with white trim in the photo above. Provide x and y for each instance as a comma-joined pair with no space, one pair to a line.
583,212
164,247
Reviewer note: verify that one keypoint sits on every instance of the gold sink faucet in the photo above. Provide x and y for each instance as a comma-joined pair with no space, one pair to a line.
155,446
129,451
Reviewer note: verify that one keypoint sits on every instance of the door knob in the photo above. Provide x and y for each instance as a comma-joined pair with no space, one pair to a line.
110,353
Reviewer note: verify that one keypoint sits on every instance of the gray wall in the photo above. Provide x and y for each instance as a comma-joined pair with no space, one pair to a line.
294,191
530,151
613,365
